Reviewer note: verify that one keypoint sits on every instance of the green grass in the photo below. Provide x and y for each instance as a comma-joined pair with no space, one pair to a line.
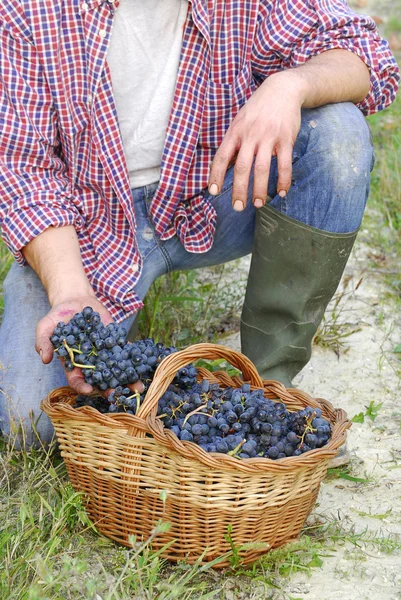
6,260
386,178
187,307
49,550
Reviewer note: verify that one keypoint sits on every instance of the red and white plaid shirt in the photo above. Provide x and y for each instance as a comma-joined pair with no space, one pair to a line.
61,155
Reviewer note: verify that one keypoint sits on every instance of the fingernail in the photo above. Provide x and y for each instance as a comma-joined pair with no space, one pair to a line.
258,203
282,193
238,205
141,387
213,189
41,353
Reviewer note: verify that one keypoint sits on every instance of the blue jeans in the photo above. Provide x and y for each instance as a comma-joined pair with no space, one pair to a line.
332,160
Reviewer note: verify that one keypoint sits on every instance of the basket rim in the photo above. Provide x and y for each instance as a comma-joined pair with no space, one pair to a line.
147,422
58,406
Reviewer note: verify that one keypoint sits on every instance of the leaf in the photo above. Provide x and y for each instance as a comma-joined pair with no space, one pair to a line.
373,409
359,418
351,478
217,365
397,349
315,562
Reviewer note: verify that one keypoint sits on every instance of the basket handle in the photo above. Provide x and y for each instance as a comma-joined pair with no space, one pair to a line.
168,368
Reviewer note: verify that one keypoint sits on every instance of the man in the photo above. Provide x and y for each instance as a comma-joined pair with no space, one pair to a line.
111,115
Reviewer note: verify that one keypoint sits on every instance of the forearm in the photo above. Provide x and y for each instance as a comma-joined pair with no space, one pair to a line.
333,76
55,257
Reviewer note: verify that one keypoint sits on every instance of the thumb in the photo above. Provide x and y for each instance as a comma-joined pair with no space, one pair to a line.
77,382
43,345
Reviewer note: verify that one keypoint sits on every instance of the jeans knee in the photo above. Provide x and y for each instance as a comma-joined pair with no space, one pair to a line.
340,137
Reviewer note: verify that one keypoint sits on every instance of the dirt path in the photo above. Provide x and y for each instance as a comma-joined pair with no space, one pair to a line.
365,371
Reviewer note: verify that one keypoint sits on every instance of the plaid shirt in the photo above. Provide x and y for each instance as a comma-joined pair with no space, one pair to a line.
61,155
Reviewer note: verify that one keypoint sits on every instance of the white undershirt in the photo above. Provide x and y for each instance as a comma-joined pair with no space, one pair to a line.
143,58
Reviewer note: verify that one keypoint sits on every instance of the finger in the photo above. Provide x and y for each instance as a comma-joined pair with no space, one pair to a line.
220,164
284,165
76,381
134,387
43,345
261,171
242,171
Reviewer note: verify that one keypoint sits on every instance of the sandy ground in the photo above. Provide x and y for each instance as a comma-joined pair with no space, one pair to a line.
365,370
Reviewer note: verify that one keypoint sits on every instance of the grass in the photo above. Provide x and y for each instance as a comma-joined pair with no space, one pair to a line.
6,260
187,307
49,550
384,219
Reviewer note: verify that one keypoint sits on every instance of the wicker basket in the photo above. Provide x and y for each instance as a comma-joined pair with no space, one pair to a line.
123,463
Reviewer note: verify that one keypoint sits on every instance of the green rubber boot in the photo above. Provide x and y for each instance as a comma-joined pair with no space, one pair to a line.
294,273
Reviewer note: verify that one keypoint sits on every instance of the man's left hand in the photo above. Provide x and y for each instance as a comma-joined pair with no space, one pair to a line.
267,125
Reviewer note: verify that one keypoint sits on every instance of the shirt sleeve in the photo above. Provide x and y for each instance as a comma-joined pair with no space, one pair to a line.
35,189
298,30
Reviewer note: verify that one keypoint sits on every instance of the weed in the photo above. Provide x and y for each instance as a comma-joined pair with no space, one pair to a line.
334,330
380,516
344,472
327,530
186,307
372,410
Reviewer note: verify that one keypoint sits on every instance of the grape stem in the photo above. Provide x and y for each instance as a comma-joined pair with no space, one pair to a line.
71,355
236,449
136,395
308,429
194,412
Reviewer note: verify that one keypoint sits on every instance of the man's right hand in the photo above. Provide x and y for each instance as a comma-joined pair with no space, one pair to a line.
64,311
55,257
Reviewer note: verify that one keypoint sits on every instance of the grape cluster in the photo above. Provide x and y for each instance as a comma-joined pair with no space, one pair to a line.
237,421
107,360
119,400
241,422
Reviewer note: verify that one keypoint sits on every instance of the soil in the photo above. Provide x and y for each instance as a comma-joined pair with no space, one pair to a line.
362,370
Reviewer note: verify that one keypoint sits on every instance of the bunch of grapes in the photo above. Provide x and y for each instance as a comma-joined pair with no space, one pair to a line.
108,361
237,421
241,422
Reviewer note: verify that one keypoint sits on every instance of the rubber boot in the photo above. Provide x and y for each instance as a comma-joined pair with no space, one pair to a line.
294,273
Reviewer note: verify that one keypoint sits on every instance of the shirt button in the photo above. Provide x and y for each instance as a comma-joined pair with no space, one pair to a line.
84,6
135,267
102,33
89,99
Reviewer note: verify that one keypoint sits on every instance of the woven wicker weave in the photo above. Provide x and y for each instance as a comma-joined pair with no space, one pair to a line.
123,463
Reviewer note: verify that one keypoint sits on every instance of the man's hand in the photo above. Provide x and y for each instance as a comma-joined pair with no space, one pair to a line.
55,257
268,124
64,311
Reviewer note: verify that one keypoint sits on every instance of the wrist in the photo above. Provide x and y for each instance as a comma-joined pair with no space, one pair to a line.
55,257
290,84
67,288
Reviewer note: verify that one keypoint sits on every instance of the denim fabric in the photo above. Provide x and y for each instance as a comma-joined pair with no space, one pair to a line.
332,160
